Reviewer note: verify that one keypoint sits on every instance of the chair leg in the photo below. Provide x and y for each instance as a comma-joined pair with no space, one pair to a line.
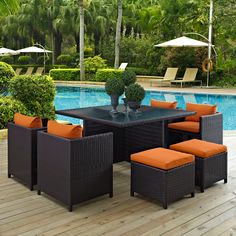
202,189
39,192
165,206
192,194
111,194
70,208
9,175
226,181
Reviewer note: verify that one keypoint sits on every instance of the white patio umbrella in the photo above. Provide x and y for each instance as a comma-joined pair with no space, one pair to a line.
7,51
35,49
183,42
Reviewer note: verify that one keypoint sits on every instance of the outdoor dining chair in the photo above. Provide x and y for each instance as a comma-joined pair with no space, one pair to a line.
39,71
29,71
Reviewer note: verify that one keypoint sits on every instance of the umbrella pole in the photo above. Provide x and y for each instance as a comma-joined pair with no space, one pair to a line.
209,41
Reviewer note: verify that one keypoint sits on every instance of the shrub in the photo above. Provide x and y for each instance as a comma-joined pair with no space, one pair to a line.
129,77
92,64
7,59
102,75
65,74
115,86
36,92
8,107
134,93
6,74
65,59
40,60
24,60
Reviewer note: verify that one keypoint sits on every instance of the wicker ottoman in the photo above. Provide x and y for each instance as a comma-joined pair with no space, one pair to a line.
211,161
162,174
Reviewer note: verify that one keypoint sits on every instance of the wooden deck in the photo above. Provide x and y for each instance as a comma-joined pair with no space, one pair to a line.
23,212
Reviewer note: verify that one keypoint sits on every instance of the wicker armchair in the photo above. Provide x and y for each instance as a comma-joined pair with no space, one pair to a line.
211,130
22,154
75,170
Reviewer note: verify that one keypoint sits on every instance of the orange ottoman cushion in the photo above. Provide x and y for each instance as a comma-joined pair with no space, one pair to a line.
162,158
162,104
199,148
65,131
189,126
27,121
200,109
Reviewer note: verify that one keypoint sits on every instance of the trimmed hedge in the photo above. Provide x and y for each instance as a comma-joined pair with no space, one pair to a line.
102,75
36,92
24,60
6,74
65,59
65,74
8,107
7,59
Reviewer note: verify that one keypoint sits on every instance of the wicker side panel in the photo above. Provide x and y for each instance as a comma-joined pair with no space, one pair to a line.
54,167
22,154
91,167
211,170
212,128
119,147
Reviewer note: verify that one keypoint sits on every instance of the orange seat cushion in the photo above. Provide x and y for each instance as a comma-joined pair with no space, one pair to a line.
162,104
189,126
200,109
27,121
162,158
199,148
65,131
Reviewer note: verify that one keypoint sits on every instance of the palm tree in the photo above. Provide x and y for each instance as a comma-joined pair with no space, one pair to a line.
8,6
81,55
118,33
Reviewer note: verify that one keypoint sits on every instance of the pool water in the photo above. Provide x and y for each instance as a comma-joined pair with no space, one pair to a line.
78,97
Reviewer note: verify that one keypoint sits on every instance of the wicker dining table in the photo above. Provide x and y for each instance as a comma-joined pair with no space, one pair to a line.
132,132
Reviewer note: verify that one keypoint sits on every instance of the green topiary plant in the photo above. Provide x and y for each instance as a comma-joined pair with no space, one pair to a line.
92,64
8,107
24,60
36,92
102,75
114,86
7,59
129,77
6,74
134,93
65,59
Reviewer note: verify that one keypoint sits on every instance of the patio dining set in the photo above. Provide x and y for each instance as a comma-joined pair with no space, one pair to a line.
170,151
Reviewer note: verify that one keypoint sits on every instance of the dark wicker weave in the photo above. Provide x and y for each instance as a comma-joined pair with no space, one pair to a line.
165,186
133,132
211,170
75,170
211,130
22,154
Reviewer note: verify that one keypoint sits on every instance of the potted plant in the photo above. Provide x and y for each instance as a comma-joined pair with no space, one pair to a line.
134,93
114,88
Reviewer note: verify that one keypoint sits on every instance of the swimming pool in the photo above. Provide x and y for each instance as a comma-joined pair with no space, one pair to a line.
76,97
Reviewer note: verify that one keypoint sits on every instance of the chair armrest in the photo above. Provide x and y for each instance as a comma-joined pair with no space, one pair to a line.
211,127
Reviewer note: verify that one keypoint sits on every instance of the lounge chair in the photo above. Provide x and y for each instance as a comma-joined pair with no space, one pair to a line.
18,71
39,71
29,71
189,77
167,78
123,66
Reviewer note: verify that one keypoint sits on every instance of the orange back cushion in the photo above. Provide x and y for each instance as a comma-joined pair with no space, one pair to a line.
162,104
65,131
27,121
200,109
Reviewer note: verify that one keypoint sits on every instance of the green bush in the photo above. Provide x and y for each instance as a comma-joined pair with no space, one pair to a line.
65,74
36,92
115,86
65,59
8,107
6,74
134,93
102,75
7,59
129,77
24,60
92,64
